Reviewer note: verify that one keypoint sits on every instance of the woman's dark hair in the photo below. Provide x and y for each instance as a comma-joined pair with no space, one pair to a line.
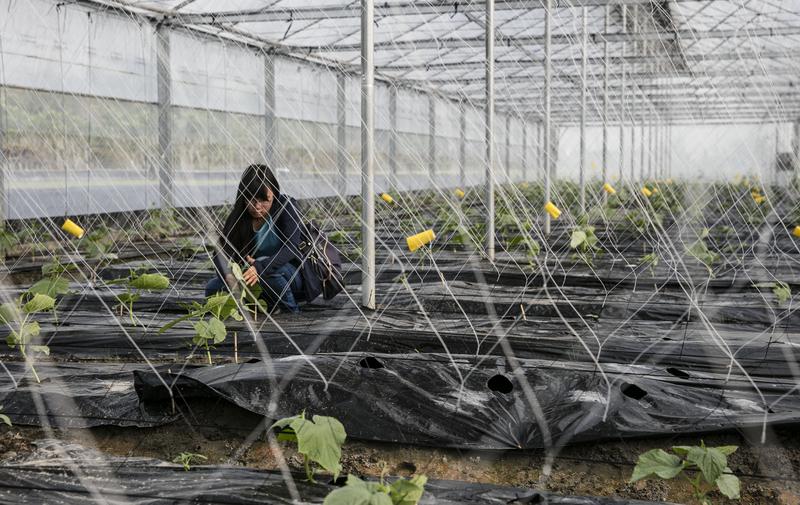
237,234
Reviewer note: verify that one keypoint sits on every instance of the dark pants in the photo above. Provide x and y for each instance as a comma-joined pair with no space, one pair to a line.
283,287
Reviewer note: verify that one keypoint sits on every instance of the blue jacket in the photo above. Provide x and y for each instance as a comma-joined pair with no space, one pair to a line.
288,227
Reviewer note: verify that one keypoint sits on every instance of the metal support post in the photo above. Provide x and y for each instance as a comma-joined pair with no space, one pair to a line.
164,76
367,156
489,137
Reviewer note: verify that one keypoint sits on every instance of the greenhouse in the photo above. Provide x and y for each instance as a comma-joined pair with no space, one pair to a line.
400,252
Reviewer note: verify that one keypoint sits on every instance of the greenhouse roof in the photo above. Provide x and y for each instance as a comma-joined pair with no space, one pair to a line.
683,61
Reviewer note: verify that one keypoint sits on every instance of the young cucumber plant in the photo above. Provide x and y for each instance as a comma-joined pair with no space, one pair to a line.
781,290
700,251
319,440
17,316
209,324
187,458
250,296
584,242
651,260
359,492
709,464
135,286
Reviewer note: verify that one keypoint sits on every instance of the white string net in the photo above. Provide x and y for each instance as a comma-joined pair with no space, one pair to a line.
677,269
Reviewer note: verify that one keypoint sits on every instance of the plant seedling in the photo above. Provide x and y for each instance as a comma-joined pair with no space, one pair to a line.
781,290
160,224
700,251
211,331
187,458
651,260
17,317
8,239
319,440
136,285
250,296
5,418
359,492
710,465
584,242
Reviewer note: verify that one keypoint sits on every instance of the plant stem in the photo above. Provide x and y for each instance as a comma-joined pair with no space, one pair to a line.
27,360
307,465
208,353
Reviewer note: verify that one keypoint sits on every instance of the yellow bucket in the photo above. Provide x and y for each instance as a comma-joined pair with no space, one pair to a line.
419,240
646,192
608,188
73,229
552,210
387,198
459,193
796,231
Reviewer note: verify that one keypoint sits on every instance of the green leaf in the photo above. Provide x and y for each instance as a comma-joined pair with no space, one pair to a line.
728,484
39,303
286,421
50,286
658,462
41,348
172,323
217,330
710,460
408,492
5,419
27,332
358,492
9,312
578,238
681,450
150,282
727,450
321,440
237,271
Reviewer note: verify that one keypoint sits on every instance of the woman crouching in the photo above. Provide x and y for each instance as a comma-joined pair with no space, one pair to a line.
263,233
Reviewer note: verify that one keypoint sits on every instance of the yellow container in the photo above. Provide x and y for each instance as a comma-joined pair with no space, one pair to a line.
796,231
387,198
459,193
73,229
608,188
420,239
646,192
552,210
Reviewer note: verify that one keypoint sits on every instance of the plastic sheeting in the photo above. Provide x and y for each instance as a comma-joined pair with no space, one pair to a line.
482,404
75,396
60,474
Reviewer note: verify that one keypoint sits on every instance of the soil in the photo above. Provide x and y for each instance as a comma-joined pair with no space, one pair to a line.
768,472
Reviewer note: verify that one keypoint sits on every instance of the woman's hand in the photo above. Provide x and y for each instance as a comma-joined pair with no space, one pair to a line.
250,275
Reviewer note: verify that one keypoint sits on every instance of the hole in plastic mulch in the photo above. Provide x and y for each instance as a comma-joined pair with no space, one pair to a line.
532,499
370,362
338,481
633,391
406,467
677,372
500,383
